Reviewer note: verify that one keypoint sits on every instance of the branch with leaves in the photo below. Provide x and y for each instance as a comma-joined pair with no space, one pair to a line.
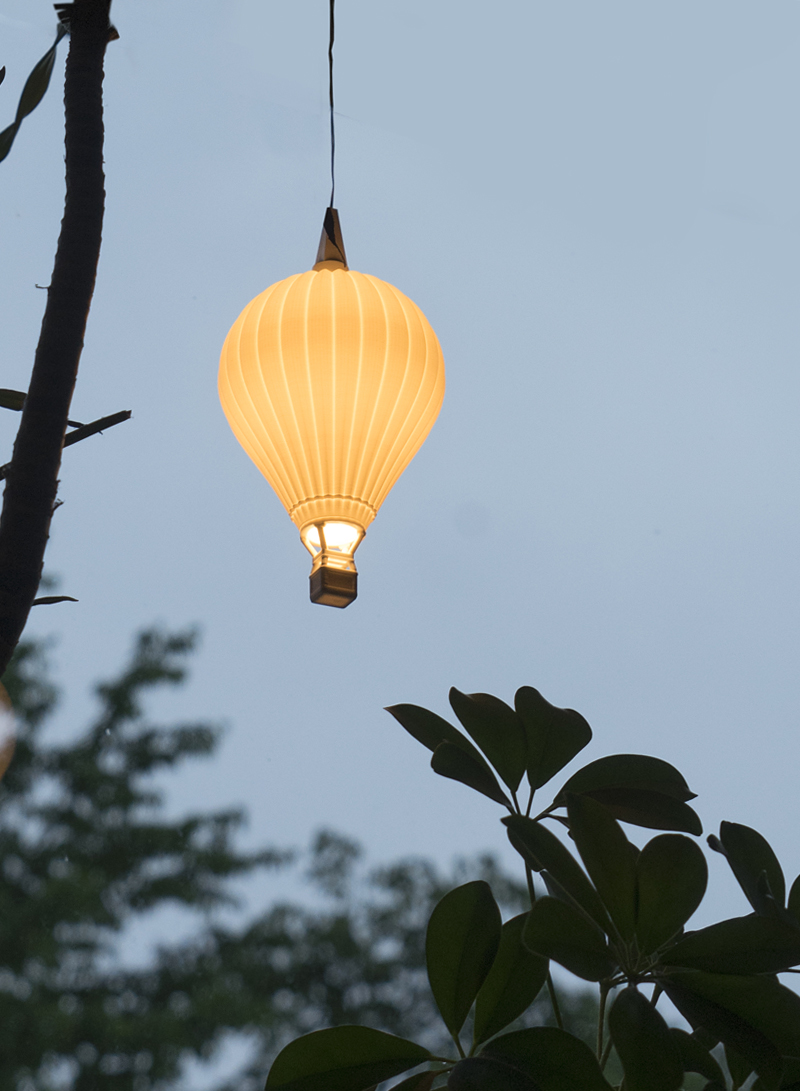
613,914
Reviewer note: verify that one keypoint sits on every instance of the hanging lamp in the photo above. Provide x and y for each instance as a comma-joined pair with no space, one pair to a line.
331,380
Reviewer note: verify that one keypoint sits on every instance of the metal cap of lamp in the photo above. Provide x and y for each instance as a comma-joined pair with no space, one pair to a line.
331,380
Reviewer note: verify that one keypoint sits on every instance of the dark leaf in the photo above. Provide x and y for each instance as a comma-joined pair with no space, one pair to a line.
422,1081
694,1057
739,1068
555,1060
450,760
462,940
672,875
488,1074
652,810
707,1040
496,729
38,81
794,899
343,1059
607,856
554,735
741,945
48,600
544,852
629,771
512,984
750,856
791,1074
757,1016
6,140
645,1046
556,930
12,399
32,93
2,73
429,729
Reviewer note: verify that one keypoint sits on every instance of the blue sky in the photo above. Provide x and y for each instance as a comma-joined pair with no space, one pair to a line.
596,206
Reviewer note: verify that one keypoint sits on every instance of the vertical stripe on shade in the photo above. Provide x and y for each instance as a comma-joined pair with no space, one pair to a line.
331,380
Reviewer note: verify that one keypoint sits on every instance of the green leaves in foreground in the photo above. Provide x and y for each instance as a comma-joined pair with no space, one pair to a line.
12,399
753,1014
469,766
671,879
556,930
513,982
469,955
343,1059
538,1059
535,738
755,866
638,789
539,739
589,923
32,93
496,729
647,1050
554,736
553,1059
462,941
741,945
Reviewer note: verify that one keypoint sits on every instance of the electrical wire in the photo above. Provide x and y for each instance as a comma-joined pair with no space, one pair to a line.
330,94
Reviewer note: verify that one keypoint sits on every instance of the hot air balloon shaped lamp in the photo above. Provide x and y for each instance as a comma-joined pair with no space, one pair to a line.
331,380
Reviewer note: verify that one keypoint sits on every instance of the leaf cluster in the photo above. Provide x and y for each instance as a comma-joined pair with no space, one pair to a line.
88,851
613,914
85,850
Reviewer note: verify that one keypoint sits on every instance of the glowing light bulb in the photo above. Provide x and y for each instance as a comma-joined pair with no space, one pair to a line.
331,380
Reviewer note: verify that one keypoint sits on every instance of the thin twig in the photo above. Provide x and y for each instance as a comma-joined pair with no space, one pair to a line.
606,1054
85,430
554,1001
601,1019
82,431
531,888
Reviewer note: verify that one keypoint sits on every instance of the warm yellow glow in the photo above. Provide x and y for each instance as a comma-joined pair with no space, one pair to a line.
331,380
333,537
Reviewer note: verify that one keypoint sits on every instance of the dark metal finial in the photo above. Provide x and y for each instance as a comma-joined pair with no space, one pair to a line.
331,243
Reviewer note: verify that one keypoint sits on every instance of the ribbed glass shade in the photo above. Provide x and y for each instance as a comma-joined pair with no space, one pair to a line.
331,380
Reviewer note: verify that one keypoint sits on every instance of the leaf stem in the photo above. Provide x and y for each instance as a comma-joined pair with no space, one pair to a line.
601,1019
606,1055
554,1001
531,888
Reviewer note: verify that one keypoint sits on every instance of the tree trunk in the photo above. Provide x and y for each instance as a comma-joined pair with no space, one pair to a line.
32,481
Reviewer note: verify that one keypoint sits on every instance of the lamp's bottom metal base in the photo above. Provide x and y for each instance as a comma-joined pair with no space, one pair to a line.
333,587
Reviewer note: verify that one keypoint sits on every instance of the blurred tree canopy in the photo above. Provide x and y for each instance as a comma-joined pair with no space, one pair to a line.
86,849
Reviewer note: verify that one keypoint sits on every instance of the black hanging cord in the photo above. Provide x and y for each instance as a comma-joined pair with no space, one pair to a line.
330,93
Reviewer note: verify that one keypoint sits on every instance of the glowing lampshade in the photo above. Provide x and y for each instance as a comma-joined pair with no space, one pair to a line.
331,380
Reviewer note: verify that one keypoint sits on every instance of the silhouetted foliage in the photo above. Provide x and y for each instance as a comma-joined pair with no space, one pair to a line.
87,849
613,914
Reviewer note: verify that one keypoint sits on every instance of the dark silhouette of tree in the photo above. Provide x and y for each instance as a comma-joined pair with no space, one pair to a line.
86,849
32,475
